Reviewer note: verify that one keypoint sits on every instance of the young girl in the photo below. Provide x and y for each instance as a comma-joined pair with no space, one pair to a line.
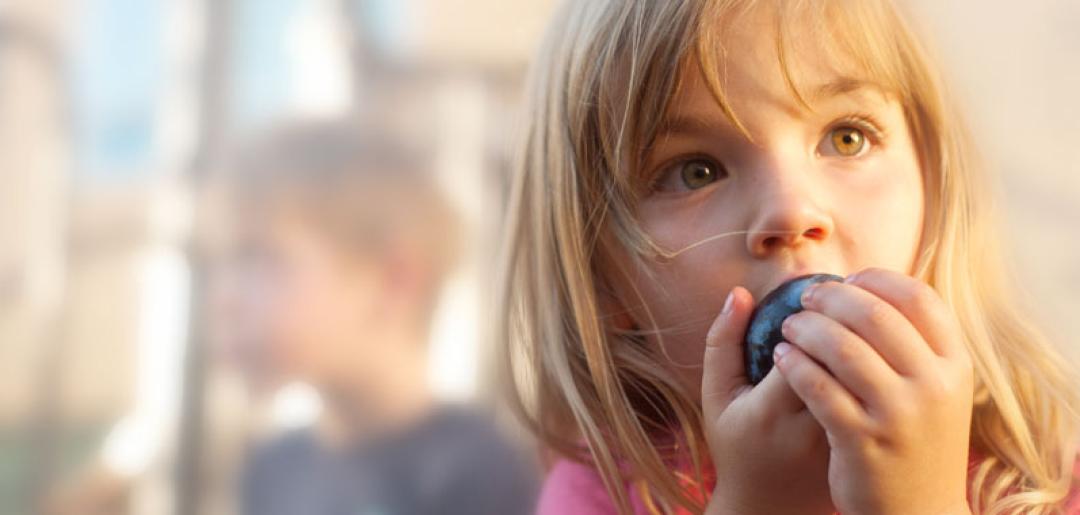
685,157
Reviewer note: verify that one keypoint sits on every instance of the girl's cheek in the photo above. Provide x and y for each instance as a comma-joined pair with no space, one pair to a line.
691,297
669,229
883,217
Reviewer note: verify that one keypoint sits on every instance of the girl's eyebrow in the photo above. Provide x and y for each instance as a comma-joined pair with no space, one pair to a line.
693,123
841,86
689,124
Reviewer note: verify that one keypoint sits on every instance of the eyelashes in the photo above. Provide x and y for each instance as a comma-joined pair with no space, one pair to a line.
864,122
851,136
689,173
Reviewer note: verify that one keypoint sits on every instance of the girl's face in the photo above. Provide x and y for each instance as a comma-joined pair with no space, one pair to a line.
834,189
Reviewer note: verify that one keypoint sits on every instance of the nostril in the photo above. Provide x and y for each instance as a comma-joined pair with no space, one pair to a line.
764,242
780,240
771,241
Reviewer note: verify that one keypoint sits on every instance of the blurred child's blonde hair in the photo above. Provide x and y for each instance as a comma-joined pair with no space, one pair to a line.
599,90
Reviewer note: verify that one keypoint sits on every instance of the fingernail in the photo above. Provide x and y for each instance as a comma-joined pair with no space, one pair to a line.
851,278
807,294
781,349
729,303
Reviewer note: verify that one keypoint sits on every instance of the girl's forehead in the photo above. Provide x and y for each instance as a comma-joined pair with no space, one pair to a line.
789,60
759,50
793,86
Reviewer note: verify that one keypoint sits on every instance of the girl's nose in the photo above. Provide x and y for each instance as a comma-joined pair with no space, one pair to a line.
787,217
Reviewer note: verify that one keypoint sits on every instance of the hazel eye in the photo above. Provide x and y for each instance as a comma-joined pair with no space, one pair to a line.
699,173
847,141
691,174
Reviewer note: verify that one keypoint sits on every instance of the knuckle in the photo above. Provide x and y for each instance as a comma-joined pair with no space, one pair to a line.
793,325
938,387
923,298
872,272
962,380
873,277
961,362
935,386
877,314
818,388
845,349
800,374
823,292
898,415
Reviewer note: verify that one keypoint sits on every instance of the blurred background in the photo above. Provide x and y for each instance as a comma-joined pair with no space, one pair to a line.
116,117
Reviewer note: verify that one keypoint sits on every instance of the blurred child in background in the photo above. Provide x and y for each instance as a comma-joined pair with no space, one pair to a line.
339,244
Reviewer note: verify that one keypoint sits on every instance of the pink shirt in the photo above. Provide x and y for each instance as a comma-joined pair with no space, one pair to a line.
572,488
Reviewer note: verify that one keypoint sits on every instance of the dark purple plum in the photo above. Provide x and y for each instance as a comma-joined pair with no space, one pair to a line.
763,332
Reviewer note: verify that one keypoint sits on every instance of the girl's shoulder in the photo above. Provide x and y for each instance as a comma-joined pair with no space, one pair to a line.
572,488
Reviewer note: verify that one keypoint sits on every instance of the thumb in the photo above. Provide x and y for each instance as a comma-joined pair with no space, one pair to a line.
723,372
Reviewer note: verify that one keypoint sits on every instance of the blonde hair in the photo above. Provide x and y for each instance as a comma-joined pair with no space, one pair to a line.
599,90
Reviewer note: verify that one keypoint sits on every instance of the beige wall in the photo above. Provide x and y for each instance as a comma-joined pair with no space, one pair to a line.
33,167
1016,68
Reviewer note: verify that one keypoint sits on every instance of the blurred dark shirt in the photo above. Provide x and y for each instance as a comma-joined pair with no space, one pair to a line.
454,462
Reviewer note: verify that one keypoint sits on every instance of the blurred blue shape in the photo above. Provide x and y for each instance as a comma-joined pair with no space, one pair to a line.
117,64
386,23
259,64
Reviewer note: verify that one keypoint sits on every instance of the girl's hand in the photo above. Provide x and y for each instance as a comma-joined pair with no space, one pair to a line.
880,362
769,452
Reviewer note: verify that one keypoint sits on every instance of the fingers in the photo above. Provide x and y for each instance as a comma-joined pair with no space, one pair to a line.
854,363
830,403
723,373
775,393
919,303
875,321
